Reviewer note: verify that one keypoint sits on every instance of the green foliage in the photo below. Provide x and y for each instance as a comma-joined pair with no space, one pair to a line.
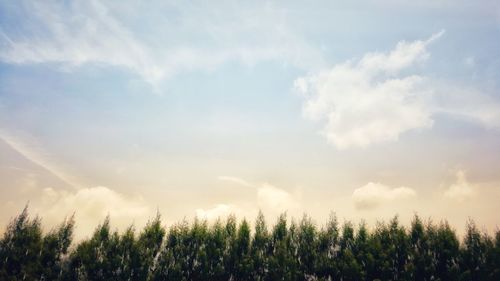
26,254
259,250
243,266
20,249
328,250
228,250
149,245
421,265
55,246
307,242
473,254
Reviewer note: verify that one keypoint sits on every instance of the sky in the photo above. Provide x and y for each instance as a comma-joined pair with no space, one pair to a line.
368,109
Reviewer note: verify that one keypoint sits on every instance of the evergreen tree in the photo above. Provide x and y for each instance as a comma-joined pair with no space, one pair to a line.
473,256
307,248
229,254
361,251
174,261
260,249
347,263
55,245
149,245
421,266
197,259
328,249
243,262
215,252
20,249
226,251
390,249
129,256
95,259
493,258
445,246
400,255
280,264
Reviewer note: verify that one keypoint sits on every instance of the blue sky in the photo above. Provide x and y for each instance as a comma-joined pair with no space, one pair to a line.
366,108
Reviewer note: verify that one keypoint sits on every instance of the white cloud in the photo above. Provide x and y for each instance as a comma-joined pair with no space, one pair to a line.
275,199
461,190
268,198
374,194
367,101
403,56
91,206
218,211
102,33
371,100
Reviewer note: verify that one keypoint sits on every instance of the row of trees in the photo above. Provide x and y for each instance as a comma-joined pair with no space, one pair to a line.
228,250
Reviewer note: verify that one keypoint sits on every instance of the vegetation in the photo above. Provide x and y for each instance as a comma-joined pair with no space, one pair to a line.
228,250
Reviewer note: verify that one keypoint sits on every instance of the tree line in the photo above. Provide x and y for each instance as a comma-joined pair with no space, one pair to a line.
232,250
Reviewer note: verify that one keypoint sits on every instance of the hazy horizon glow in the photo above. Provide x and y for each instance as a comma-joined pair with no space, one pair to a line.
368,109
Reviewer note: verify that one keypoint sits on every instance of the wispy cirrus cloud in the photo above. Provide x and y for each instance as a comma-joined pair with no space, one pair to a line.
92,32
78,33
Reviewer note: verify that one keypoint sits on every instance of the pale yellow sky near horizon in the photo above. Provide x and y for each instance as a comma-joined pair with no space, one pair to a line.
454,199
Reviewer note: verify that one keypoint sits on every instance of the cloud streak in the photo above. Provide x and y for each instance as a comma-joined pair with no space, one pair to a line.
37,155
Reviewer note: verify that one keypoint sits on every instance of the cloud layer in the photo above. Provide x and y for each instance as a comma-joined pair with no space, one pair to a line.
273,199
372,195
91,206
268,198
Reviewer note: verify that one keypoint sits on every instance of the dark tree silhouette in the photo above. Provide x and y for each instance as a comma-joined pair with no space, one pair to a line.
228,250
